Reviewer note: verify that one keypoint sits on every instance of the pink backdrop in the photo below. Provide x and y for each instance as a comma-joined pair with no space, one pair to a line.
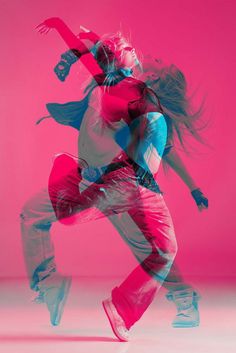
199,37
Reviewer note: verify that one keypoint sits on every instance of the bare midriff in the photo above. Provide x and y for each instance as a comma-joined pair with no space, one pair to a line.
96,143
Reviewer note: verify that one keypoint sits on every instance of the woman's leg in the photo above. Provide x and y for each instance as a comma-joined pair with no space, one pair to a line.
61,201
181,293
37,217
125,225
152,241
64,202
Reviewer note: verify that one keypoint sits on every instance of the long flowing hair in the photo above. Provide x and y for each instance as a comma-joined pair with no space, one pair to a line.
170,87
182,119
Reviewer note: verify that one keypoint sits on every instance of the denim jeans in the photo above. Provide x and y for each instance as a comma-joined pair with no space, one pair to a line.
139,214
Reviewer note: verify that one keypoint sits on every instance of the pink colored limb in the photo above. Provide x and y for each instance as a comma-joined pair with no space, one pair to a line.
73,42
93,37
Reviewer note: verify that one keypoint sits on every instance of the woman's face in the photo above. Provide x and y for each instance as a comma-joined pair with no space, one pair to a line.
128,57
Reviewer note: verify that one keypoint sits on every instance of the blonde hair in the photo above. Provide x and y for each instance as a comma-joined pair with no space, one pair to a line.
109,53
181,118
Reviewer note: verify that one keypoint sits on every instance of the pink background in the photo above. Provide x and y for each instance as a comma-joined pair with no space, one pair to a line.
199,37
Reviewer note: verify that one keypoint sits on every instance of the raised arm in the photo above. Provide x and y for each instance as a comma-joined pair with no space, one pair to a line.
176,163
74,43
68,58
89,35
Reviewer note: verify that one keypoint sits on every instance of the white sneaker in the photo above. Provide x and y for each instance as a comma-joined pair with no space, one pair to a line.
116,321
186,302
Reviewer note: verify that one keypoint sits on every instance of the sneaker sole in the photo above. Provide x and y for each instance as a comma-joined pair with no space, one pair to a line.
185,325
108,311
61,300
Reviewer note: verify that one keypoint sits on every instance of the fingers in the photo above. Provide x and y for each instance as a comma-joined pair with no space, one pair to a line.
202,207
85,34
41,24
84,29
42,28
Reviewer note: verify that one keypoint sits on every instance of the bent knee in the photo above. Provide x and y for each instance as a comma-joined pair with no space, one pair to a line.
34,222
25,212
169,253
29,209
34,215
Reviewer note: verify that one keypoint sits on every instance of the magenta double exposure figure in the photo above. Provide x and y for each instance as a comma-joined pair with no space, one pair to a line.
124,132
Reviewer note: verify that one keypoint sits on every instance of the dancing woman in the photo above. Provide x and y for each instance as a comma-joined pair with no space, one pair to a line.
169,84
118,180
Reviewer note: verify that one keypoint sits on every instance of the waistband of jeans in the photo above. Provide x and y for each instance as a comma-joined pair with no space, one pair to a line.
144,178
95,173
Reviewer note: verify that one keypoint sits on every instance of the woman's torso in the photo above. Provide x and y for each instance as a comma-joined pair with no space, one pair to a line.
106,115
110,110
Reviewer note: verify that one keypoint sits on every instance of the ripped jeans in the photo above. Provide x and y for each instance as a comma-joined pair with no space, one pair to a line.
139,214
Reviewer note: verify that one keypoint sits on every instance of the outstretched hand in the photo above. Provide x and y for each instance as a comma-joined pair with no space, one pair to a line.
47,25
87,34
200,199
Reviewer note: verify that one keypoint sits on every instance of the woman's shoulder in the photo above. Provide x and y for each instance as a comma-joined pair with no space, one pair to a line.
136,82
144,90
